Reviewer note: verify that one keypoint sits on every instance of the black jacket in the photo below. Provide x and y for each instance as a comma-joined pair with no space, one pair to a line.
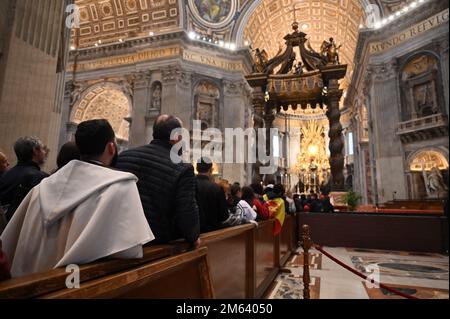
167,191
212,204
16,183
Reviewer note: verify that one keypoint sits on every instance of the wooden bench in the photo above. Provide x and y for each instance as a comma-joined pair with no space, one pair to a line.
43,283
420,233
238,262
181,276
426,205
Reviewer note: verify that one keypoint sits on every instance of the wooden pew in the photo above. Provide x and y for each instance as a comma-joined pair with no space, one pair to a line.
36,285
181,276
246,259
266,257
238,262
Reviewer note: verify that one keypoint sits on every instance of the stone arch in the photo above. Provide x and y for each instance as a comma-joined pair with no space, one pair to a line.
106,100
425,158
428,155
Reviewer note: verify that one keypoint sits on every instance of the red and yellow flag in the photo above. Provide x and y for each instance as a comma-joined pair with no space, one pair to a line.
277,211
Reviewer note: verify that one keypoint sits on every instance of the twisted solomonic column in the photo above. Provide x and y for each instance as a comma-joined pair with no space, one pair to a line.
333,97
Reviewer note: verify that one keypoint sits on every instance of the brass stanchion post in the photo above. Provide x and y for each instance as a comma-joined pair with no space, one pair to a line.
306,244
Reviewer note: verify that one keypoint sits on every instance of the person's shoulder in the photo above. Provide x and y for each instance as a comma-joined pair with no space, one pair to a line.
133,152
184,168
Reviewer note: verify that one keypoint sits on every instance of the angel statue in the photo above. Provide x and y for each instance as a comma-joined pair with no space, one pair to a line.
330,51
434,183
261,59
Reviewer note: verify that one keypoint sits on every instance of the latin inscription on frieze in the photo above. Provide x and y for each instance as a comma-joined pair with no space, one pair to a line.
128,59
416,30
156,54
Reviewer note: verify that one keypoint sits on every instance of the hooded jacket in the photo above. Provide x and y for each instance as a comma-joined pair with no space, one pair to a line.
81,213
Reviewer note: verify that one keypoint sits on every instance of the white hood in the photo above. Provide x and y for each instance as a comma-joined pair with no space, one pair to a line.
72,185
80,214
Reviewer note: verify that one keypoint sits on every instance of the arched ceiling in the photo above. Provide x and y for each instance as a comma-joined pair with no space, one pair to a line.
105,103
111,20
320,20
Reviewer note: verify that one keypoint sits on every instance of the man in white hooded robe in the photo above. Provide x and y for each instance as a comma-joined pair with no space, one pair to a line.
84,212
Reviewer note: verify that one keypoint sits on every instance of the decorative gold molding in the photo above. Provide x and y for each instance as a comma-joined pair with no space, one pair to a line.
416,30
209,60
155,54
133,58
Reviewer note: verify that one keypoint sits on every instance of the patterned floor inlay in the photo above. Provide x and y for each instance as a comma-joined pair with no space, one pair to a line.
388,252
315,261
422,275
402,268
289,286
418,292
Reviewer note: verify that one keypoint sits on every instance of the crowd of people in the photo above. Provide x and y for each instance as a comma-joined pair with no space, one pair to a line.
99,204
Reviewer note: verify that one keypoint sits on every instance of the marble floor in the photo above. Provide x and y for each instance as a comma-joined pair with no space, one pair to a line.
422,275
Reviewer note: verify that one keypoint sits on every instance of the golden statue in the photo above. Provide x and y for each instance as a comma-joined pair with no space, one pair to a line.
261,58
330,51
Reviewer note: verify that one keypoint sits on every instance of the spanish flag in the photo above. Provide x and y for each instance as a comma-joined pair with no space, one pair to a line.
277,211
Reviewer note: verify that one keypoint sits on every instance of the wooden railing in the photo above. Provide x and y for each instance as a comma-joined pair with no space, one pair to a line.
237,262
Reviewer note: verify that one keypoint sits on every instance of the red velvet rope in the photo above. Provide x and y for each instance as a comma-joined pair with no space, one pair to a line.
364,276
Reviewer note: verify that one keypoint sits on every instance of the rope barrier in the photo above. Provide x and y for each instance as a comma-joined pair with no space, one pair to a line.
394,291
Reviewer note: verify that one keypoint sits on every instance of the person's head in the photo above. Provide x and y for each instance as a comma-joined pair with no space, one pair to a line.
4,164
331,40
303,197
278,190
248,195
257,188
204,166
296,196
225,186
314,196
29,149
235,190
67,153
270,181
96,140
163,127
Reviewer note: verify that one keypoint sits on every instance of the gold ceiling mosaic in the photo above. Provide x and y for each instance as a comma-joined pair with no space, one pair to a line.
105,103
111,20
320,20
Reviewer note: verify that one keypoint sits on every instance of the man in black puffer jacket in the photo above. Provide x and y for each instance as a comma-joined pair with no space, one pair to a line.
167,190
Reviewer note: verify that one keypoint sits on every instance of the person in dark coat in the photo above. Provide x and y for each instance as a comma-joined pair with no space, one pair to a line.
167,189
16,183
327,207
211,201
68,152
235,198
298,203
316,205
